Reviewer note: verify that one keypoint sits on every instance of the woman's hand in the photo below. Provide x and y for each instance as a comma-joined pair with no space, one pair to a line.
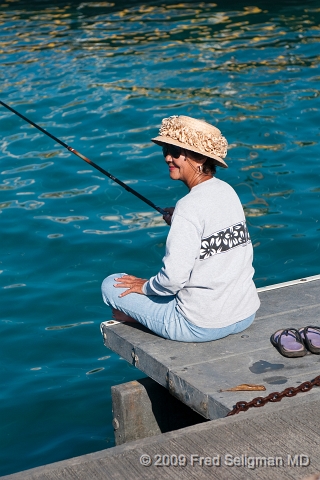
168,217
133,284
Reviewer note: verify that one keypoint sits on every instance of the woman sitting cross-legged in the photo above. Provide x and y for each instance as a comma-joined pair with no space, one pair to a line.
204,291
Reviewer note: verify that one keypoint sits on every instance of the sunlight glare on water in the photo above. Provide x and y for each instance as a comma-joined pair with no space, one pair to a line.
100,76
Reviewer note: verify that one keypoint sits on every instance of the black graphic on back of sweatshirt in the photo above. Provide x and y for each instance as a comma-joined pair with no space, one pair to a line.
224,240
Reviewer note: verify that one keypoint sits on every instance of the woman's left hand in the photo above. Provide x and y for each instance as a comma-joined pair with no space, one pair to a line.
133,284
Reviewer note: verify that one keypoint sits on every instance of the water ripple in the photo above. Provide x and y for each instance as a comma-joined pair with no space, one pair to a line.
71,325
62,219
132,222
16,285
96,370
29,205
15,183
70,193
27,168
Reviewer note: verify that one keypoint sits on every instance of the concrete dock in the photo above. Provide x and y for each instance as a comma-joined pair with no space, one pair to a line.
279,440
287,436
195,373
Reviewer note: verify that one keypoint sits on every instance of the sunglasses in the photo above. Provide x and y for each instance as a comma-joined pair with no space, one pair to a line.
171,150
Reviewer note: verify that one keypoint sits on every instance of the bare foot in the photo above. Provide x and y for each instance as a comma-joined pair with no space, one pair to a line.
122,317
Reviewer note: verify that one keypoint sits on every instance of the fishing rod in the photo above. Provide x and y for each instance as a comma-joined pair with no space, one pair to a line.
78,154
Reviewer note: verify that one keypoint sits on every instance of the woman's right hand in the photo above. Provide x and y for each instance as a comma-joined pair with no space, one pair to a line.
168,217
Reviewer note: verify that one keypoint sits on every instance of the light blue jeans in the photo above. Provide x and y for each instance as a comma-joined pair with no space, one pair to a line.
161,316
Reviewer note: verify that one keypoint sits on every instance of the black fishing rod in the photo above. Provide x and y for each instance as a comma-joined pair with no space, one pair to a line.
72,150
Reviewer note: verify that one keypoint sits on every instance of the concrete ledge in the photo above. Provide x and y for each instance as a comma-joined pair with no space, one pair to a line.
288,284
285,431
196,373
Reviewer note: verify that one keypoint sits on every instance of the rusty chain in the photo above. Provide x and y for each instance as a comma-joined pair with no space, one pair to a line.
274,396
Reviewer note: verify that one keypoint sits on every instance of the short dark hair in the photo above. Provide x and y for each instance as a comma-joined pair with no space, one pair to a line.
209,165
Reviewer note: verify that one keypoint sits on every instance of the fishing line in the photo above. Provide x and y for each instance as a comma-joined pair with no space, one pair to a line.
78,154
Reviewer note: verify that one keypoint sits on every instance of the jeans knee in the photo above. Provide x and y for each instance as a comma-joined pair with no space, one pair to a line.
107,286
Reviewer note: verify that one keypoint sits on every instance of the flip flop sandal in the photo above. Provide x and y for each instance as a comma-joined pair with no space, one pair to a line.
289,343
311,338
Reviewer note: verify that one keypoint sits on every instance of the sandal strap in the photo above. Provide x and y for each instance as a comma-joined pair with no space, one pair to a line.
312,326
294,331
306,340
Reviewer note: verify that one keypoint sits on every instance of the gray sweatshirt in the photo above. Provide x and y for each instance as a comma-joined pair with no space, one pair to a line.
208,259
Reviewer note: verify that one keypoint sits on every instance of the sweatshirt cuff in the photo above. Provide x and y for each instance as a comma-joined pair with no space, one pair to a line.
147,290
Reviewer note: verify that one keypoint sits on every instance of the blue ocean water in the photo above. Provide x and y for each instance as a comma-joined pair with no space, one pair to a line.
101,76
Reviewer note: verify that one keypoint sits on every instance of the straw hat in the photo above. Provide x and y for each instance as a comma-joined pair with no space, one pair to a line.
194,135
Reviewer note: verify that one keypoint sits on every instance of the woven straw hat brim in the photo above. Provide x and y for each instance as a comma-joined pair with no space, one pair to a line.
162,140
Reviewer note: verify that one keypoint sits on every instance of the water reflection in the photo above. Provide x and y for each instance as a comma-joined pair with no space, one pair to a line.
15,183
29,205
55,235
132,222
284,193
96,370
27,168
68,219
70,193
71,325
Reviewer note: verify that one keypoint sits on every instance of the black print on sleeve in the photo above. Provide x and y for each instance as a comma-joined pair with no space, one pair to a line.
224,240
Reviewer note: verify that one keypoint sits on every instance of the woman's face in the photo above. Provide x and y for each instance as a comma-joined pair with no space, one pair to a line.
181,166
176,161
